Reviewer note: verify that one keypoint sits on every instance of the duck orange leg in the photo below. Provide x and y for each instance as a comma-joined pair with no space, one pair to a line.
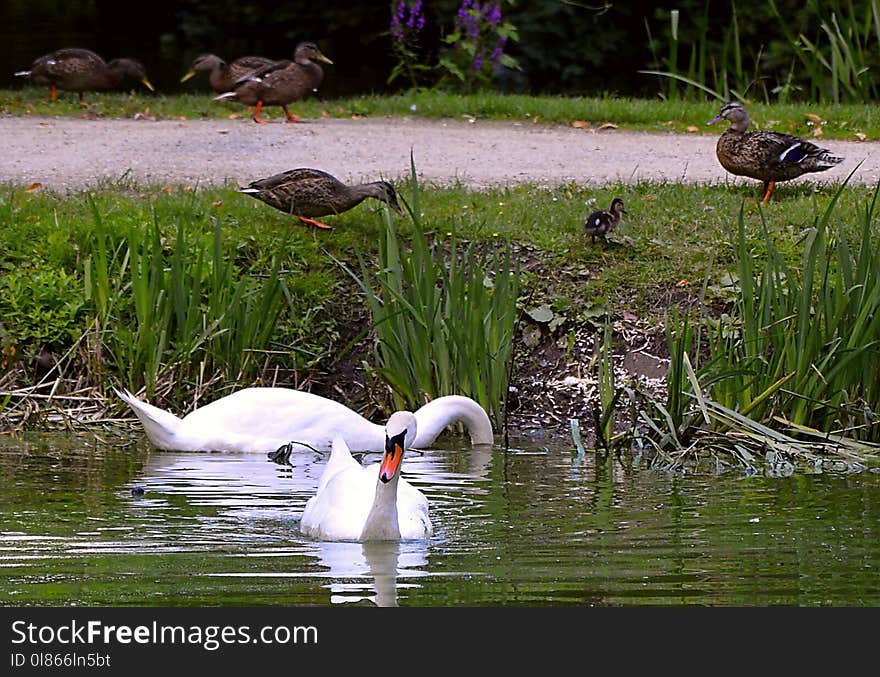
312,222
54,95
290,116
769,189
257,117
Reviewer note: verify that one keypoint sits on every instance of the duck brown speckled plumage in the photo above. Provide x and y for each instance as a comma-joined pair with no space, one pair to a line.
74,69
309,193
603,221
766,155
281,82
222,75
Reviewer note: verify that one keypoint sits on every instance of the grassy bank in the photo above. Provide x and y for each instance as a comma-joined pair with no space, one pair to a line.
187,293
52,290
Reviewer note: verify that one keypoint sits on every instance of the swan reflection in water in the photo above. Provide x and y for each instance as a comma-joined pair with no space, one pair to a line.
373,571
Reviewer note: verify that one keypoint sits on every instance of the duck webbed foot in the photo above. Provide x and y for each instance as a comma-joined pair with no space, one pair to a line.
312,222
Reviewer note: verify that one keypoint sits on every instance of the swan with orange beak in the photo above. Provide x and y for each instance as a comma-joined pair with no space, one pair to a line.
374,503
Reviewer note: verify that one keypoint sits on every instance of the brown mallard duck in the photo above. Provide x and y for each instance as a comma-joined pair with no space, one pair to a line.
74,69
766,155
222,75
281,82
308,193
603,222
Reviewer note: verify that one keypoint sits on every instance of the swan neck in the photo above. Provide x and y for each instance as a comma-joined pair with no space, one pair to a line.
437,414
382,521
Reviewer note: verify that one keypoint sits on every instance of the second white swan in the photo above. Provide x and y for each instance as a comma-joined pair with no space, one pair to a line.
264,419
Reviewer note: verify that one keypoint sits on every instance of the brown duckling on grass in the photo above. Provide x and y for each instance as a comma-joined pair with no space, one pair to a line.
603,221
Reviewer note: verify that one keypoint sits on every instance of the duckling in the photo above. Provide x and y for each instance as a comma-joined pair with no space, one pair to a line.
307,193
280,83
766,155
80,70
603,222
222,75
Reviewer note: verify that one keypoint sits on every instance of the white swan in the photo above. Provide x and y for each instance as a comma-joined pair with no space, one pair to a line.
264,419
373,503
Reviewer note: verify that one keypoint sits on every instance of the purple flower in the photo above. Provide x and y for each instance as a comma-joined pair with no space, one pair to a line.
415,13
499,50
493,14
478,61
406,19
397,20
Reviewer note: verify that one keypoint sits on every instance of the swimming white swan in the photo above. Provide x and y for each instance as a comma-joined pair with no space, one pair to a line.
264,419
373,503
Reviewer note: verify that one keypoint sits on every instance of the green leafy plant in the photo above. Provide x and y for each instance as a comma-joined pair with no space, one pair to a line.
444,315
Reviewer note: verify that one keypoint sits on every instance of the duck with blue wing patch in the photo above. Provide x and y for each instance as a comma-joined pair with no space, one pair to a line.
766,155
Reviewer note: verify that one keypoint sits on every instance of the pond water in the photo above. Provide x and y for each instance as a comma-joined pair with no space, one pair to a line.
525,526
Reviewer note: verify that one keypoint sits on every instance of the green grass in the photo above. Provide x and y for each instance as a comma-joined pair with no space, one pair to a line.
67,278
840,121
671,235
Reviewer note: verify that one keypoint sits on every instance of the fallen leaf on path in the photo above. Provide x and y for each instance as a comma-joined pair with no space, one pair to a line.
36,185
580,124
607,125
693,128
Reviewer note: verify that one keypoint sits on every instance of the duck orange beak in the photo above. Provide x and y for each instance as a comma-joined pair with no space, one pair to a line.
187,75
149,85
321,57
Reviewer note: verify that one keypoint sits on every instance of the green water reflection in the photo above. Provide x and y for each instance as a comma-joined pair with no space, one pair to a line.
512,527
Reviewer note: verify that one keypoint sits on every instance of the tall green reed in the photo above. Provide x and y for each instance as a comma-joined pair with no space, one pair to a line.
805,340
444,315
839,61
172,311
720,74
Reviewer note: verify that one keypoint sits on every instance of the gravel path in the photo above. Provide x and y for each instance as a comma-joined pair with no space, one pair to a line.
68,153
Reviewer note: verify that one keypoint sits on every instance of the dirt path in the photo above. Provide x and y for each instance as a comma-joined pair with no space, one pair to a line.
66,153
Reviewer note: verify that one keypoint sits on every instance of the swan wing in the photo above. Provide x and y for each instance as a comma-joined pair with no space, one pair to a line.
340,507
412,512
